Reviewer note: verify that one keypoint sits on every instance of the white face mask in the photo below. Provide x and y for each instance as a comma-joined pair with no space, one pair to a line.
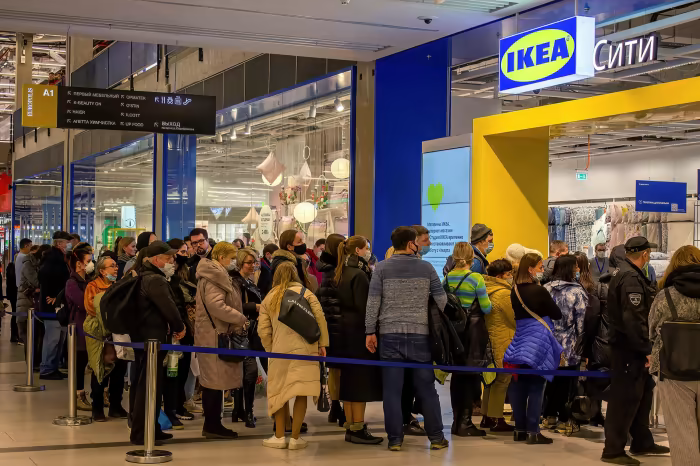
168,269
90,267
368,255
231,266
600,254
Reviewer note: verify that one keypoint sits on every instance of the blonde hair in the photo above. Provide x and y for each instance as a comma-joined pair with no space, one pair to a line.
463,254
123,243
345,250
242,255
685,255
285,275
222,250
389,252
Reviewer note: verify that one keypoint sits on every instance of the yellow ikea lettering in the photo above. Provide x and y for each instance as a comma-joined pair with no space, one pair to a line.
538,55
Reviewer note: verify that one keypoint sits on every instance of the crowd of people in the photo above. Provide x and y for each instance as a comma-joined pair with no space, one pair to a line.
564,312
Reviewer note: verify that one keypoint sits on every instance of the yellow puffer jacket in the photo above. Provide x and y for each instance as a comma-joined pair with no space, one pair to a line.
500,322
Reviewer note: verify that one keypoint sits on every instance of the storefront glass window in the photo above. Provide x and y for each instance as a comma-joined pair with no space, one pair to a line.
38,201
280,162
113,194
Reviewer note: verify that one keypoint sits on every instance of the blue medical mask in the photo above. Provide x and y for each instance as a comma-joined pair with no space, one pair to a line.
489,248
578,276
111,278
69,247
424,250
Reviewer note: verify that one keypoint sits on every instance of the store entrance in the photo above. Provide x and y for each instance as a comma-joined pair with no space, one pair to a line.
511,164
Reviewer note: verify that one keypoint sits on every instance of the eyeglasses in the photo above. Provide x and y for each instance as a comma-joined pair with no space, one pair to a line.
199,243
250,262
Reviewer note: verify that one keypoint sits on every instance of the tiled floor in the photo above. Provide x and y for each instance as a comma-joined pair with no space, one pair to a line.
28,438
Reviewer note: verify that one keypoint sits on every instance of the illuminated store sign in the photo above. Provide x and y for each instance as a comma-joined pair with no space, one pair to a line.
554,54
625,53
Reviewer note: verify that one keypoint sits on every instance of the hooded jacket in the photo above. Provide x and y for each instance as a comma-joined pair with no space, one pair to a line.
684,285
28,282
572,300
329,298
53,275
157,312
500,322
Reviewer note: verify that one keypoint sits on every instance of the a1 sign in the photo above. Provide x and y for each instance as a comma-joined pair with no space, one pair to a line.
581,176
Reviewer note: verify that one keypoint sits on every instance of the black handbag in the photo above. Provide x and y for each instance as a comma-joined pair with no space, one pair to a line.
233,341
681,344
295,313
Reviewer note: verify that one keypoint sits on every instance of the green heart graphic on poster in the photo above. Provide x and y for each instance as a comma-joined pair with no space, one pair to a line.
435,193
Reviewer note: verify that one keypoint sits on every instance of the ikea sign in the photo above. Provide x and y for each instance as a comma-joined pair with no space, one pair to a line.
554,54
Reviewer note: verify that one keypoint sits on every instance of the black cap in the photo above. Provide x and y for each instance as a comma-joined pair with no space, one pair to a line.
639,243
480,232
62,235
159,247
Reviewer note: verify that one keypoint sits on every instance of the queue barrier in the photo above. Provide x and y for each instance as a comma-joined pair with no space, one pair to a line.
149,455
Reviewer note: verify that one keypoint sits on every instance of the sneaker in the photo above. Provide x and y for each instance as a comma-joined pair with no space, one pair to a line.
56,375
276,442
83,403
220,433
549,423
414,428
394,447
538,439
185,416
652,450
621,459
99,416
20,342
297,444
117,412
363,437
160,435
192,407
440,444
177,425
106,399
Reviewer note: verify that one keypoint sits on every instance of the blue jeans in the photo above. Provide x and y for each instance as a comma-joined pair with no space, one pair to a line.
526,395
401,347
54,338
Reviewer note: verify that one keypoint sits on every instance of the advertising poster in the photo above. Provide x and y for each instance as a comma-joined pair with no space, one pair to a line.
446,201
661,196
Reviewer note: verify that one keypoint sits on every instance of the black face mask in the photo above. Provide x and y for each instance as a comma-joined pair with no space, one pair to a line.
300,250
180,259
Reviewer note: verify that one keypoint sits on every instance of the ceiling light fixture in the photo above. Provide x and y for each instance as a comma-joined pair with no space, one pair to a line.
312,111
234,113
338,105
219,138
248,129
233,135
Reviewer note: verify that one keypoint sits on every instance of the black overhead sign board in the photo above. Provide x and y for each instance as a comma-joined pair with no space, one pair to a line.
88,108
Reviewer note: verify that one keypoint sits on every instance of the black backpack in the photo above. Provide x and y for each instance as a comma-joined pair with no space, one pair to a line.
119,305
61,307
453,309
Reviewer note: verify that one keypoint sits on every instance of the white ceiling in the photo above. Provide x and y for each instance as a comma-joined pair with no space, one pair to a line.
360,30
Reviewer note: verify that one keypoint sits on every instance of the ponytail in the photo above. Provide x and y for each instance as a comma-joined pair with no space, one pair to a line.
345,250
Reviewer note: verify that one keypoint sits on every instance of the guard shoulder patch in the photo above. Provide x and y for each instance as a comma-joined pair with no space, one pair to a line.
635,298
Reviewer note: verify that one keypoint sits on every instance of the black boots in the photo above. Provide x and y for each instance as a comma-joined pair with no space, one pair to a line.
538,439
250,420
238,414
462,426
362,436
336,414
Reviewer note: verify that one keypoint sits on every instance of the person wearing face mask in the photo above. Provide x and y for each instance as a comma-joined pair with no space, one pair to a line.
242,276
126,250
199,238
265,277
500,323
219,310
314,255
292,248
74,242
599,265
422,240
631,390
183,291
106,368
81,265
157,318
572,300
53,275
482,242
359,385
534,346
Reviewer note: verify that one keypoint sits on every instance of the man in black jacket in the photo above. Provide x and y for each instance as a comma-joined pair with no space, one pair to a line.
158,317
199,237
631,390
53,275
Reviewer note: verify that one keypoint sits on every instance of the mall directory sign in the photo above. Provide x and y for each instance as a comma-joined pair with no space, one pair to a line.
88,108
446,201
661,196
546,56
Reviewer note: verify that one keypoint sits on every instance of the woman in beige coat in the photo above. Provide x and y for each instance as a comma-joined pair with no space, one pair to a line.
218,303
287,378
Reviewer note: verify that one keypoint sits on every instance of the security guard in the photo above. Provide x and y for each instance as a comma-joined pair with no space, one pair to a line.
631,389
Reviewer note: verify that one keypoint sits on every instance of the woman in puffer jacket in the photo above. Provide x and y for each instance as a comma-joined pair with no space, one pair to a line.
682,285
327,295
533,347
572,300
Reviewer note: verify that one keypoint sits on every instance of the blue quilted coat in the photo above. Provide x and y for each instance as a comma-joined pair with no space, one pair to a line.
534,346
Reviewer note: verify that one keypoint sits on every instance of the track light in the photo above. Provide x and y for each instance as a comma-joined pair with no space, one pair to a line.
233,136
234,113
248,129
219,138
312,111
338,105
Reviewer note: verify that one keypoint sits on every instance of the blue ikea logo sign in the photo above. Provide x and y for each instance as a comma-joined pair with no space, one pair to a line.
546,56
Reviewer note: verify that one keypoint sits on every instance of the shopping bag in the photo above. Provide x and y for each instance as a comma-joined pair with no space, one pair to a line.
164,422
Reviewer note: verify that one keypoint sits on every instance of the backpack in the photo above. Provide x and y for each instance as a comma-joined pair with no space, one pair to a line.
61,307
119,304
453,309
681,341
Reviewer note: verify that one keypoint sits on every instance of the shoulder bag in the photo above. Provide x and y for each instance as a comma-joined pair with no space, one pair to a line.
296,313
453,309
232,341
562,359
680,346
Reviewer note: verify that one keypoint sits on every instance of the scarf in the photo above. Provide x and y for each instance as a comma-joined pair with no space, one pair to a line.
92,289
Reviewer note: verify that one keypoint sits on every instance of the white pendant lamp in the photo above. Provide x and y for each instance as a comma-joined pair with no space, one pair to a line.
305,212
248,129
233,136
338,105
277,181
251,217
219,138
340,168
312,111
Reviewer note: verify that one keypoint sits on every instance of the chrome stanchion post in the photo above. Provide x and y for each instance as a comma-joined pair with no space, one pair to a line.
29,349
655,403
148,455
72,419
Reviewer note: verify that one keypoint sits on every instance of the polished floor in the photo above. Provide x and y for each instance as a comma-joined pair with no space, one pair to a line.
28,437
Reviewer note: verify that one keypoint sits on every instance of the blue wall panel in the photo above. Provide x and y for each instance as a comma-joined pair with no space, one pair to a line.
180,184
411,106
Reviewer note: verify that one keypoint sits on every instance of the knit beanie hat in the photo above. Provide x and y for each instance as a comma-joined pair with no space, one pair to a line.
480,232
